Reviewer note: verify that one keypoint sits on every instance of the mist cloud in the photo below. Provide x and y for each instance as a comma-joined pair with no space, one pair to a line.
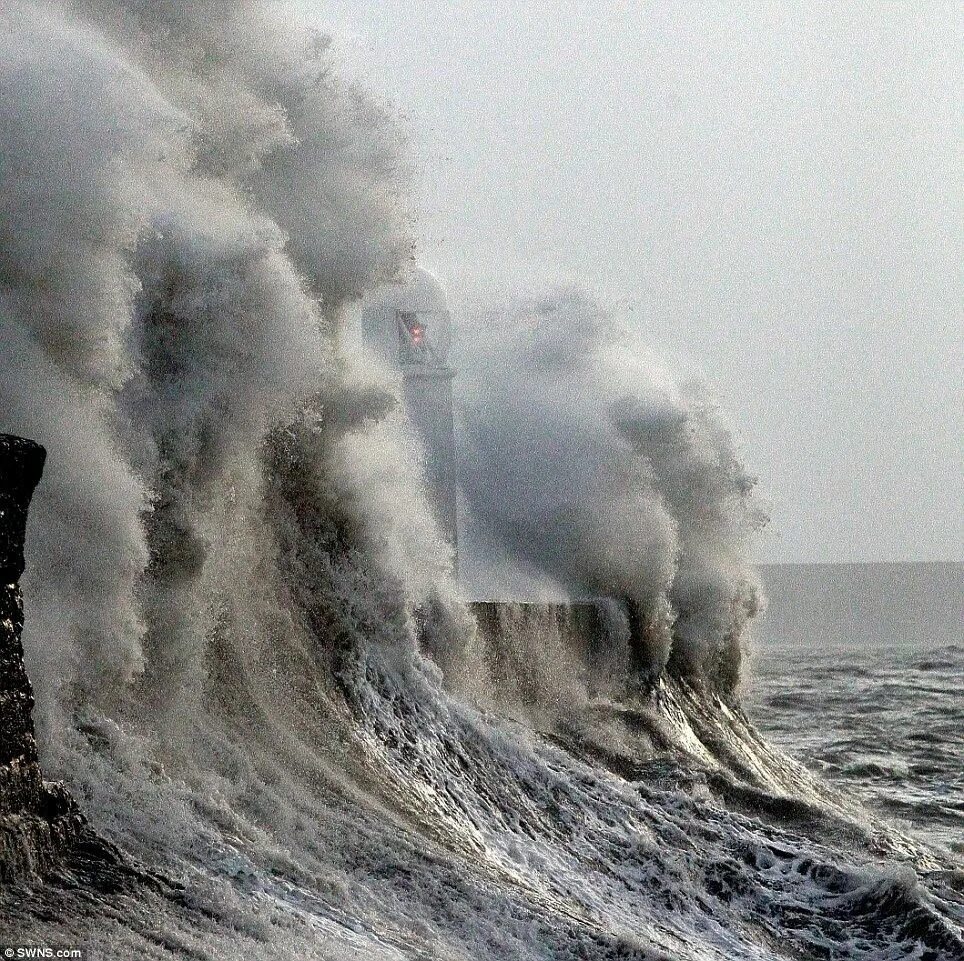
597,468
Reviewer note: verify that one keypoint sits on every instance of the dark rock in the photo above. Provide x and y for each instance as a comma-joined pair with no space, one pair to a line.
38,820
21,464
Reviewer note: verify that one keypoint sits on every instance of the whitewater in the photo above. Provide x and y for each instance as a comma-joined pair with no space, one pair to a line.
254,667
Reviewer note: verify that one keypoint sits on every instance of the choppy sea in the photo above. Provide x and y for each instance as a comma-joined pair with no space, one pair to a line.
858,672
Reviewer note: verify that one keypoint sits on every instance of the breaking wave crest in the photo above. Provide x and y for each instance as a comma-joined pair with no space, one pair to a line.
599,469
252,663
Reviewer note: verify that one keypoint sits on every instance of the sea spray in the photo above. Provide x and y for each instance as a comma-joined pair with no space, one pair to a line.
159,304
234,583
598,468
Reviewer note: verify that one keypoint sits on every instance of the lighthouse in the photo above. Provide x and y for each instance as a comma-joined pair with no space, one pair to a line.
409,326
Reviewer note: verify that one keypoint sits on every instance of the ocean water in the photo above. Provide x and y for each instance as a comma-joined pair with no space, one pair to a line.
406,824
858,671
252,665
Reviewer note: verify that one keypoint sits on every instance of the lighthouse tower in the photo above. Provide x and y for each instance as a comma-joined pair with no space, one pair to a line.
409,326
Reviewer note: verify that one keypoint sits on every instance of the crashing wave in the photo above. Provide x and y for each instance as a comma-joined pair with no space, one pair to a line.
253,667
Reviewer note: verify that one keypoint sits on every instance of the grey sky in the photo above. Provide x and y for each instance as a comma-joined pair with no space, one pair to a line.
774,188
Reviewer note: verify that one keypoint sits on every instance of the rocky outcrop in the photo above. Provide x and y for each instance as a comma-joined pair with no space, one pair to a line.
38,820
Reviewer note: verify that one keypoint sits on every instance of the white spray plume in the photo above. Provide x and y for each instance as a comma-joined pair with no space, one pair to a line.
188,195
598,469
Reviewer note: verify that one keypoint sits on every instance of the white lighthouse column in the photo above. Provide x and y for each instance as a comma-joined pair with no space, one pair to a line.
408,324
428,398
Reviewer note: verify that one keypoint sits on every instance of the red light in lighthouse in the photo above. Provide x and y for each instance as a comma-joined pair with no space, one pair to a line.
411,331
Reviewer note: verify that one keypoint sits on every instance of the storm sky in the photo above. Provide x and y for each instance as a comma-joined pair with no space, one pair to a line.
772,188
